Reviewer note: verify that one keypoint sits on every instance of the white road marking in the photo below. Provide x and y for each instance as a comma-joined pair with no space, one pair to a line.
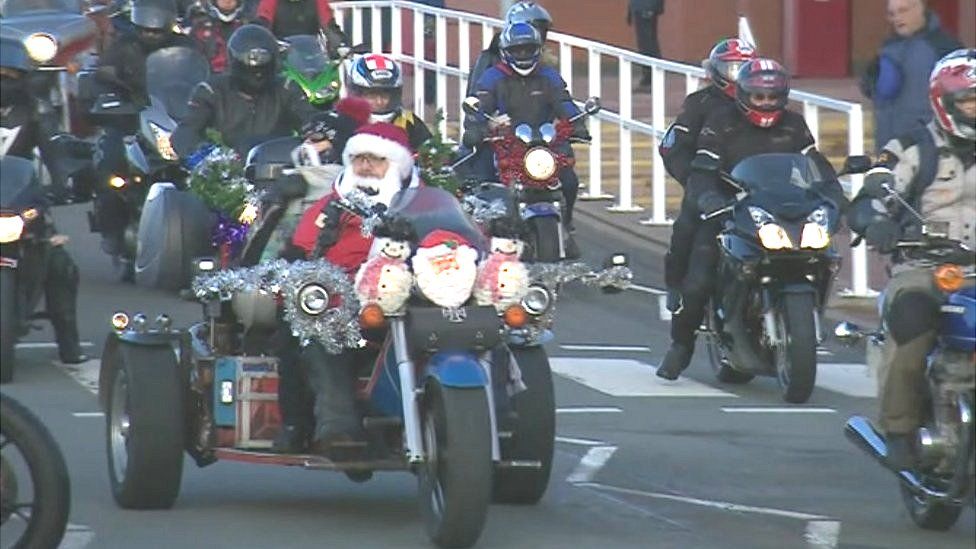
725,506
585,347
646,289
47,344
855,380
589,410
776,410
88,414
822,533
663,314
821,351
628,377
580,441
590,465
86,373
76,536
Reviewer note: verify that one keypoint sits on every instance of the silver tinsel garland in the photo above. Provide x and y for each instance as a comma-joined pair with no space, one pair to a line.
335,329
553,275
484,211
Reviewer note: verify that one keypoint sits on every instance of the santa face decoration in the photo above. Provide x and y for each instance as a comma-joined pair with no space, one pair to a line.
445,267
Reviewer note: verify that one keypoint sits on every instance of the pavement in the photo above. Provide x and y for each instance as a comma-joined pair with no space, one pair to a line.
640,463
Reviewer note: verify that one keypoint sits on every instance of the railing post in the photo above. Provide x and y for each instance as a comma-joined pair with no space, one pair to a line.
566,65
396,32
376,28
691,84
487,33
464,64
812,115
418,55
859,255
357,25
625,201
441,54
659,181
594,75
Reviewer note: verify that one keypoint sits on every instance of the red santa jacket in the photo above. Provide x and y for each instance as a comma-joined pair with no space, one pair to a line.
350,250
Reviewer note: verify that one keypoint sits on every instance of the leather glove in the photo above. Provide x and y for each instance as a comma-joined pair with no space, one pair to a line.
710,201
286,189
883,236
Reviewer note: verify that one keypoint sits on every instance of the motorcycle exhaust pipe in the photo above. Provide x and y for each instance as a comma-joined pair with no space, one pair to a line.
859,431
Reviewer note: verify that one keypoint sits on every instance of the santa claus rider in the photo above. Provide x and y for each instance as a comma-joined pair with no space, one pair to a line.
378,161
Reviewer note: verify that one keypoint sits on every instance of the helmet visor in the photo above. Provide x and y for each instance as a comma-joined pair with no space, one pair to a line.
255,57
524,55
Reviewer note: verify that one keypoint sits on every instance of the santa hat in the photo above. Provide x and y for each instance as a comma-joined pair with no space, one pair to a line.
384,140
440,237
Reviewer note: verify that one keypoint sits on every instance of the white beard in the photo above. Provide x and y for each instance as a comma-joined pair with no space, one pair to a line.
380,191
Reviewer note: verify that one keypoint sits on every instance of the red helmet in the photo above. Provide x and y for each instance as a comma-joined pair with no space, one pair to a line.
953,78
764,80
724,61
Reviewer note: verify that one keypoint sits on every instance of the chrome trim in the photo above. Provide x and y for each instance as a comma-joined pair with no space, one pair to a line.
408,384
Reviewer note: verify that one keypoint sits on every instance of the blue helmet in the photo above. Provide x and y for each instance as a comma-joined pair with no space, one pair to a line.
521,47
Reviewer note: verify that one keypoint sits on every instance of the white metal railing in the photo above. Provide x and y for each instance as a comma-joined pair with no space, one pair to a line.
623,118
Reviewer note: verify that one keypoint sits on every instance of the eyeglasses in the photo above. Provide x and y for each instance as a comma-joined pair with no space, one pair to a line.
765,97
369,159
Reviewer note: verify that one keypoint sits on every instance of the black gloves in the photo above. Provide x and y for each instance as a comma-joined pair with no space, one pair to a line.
883,236
286,189
710,201
875,182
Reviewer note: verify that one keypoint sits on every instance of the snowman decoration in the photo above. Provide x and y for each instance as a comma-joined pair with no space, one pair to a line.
502,278
385,279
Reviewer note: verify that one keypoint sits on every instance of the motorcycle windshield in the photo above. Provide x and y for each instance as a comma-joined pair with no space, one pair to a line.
12,8
305,55
430,208
772,172
171,75
18,174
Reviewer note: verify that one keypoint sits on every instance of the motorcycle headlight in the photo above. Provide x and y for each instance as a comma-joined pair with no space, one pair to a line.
41,47
774,237
11,227
163,145
313,299
814,236
537,300
540,164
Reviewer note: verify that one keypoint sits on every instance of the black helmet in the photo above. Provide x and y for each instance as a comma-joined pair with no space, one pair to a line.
531,13
153,14
521,47
253,53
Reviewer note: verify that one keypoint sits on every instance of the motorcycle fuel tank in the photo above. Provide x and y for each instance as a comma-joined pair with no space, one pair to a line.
958,330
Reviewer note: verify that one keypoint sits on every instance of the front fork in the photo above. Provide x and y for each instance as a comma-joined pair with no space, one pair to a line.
408,391
771,322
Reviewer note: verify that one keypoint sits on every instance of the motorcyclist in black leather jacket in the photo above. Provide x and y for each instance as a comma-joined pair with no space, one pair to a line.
248,103
18,137
680,143
123,68
526,91
757,123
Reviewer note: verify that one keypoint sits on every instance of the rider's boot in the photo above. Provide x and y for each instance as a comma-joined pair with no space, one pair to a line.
61,296
901,451
675,362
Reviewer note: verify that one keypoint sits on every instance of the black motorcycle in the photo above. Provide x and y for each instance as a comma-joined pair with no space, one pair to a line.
33,514
24,246
151,170
777,264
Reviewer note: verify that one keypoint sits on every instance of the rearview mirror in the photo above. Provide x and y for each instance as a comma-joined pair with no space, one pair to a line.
857,163
592,105
471,105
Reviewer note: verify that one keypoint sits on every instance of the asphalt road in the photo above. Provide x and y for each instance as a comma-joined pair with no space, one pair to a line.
639,463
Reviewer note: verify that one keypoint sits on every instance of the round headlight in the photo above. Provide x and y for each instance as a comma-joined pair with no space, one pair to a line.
536,300
540,164
41,47
313,299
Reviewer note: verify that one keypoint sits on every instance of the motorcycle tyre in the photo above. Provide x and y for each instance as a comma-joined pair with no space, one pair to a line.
8,324
929,515
49,475
456,423
796,356
154,449
544,232
533,432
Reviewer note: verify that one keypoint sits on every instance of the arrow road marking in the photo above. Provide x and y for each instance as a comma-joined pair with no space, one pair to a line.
776,410
86,373
822,533
47,344
580,441
621,348
590,465
854,380
628,377
589,410
76,536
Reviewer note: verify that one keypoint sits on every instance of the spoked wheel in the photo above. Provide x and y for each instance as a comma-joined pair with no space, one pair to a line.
455,480
796,353
144,429
33,514
928,514
720,364
533,428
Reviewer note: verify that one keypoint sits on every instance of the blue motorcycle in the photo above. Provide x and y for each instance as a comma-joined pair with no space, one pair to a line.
942,482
